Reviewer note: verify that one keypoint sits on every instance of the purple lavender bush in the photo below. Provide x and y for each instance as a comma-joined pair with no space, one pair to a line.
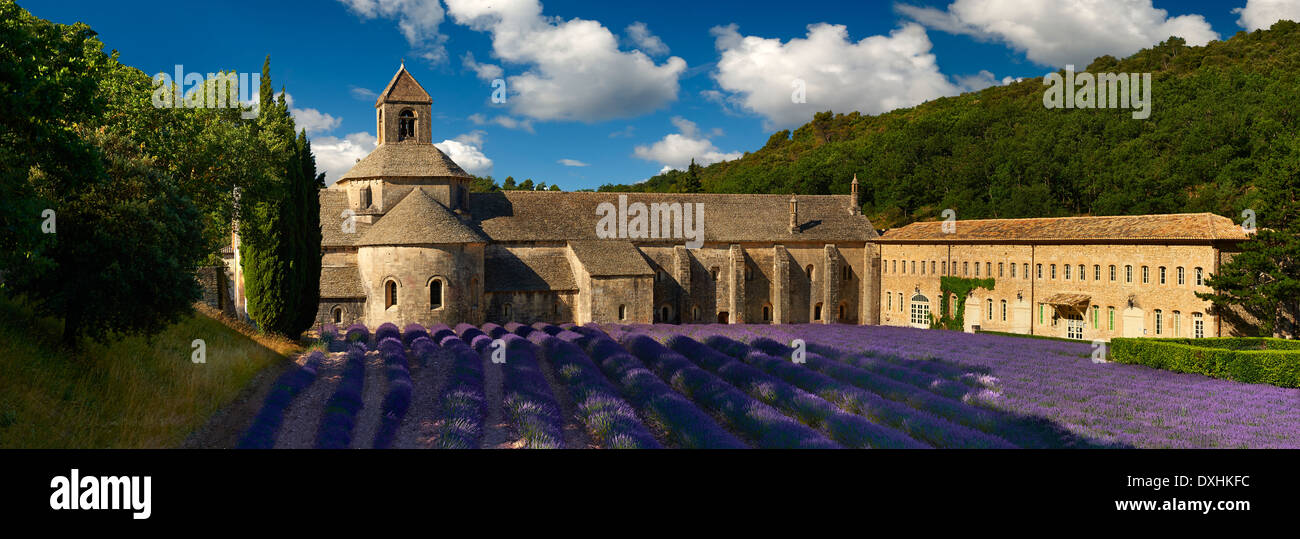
610,421
529,403
266,424
398,399
335,431
761,423
682,423
463,400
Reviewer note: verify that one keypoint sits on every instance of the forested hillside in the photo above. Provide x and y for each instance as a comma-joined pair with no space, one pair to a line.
1219,114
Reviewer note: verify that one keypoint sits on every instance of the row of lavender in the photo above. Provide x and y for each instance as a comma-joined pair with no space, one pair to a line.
1043,393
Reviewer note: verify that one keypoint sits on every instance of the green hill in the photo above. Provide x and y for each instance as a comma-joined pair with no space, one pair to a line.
1217,112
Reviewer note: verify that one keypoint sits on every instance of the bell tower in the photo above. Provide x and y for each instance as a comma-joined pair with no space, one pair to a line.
402,111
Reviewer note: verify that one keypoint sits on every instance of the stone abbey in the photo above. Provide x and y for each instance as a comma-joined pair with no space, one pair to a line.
404,240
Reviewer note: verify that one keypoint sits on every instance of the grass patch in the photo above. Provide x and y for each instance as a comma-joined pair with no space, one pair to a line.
132,392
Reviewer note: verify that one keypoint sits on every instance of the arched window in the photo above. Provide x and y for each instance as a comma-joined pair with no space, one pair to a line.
338,315
665,314
990,309
622,312
695,314
809,270
889,301
435,294
390,294
365,197
920,315
505,312
713,273
841,317
406,125
767,313
1004,306
817,312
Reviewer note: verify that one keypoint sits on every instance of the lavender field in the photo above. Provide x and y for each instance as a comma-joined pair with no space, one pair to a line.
736,386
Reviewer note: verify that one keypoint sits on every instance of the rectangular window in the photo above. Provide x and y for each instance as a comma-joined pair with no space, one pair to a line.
1013,271
1110,313
1178,323
922,267
913,267
1096,272
1112,272
1040,313
1095,309
1181,279
1004,310
999,269
1199,280
1040,271
988,269
931,266
1198,326
944,265
965,269
1083,276
1146,275
1026,270
1067,272
990,309
1159,321
1053,271
895,270
1128,274
977,269
889,301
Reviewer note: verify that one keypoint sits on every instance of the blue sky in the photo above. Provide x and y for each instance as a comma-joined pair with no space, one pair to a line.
614,92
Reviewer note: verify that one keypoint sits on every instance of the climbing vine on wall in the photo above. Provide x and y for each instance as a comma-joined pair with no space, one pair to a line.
960,287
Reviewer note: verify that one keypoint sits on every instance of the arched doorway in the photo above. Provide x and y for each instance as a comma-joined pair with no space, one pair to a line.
722,317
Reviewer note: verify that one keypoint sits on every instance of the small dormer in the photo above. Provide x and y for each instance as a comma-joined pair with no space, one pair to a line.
402,111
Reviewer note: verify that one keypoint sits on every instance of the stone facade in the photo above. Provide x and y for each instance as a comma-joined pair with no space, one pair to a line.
1106,278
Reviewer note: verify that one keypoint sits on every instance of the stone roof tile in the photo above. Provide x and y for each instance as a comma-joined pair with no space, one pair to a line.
1109,229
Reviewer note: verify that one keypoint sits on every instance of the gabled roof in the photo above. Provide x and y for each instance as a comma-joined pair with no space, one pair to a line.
530,269
340,282
403,89
607,258
728,218
1180,227
418,219
405,160
332,204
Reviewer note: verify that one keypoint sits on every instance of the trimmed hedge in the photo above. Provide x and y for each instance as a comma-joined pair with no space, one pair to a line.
1277,364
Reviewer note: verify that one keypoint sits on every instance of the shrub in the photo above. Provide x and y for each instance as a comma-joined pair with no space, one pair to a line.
398,399
341,409
357,333
387,330
1277,363
261,434
463,400
412,332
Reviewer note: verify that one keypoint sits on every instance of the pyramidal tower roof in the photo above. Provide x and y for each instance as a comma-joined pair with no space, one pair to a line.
418,219
403,89
415,157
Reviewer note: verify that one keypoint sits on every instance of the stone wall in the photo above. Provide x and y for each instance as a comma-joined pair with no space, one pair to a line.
1016,304
412,269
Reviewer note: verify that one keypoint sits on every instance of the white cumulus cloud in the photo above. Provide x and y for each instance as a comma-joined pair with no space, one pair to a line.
1060,32
503,121
467,151
647,42
873,75
1261,14
418,21
676,150
335,156
572,163
574,69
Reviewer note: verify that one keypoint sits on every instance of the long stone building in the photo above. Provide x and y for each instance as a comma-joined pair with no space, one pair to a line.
1075,277
406,241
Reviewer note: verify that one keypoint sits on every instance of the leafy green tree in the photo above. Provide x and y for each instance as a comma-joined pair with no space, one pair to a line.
508,184
1263,280
526,185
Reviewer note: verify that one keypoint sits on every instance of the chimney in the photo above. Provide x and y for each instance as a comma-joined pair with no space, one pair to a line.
855,207
794,214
